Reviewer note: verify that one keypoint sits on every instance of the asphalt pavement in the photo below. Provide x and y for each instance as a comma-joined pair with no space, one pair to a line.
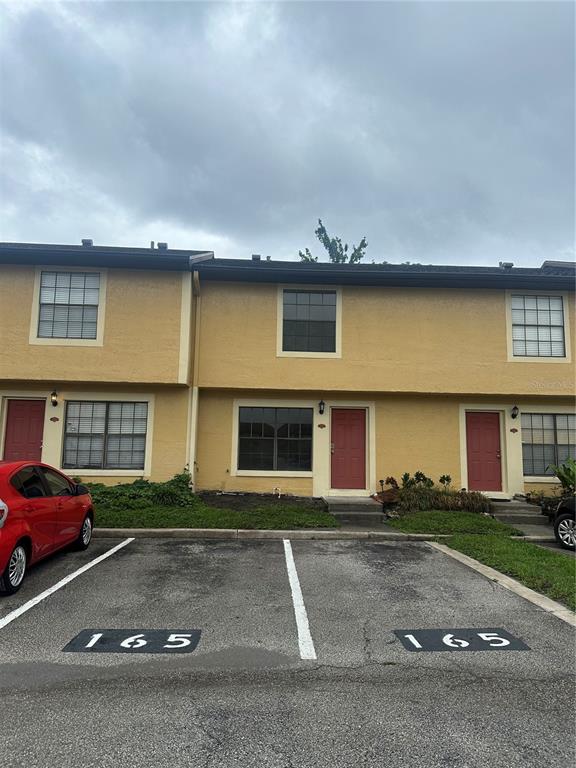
245,696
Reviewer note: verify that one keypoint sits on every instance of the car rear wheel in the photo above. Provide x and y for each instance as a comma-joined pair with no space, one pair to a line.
85,535
13,576
565,530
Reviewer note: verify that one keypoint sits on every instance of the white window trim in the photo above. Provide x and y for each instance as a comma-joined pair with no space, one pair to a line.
112,397
540,359
280,318
263,403
50,342
535,408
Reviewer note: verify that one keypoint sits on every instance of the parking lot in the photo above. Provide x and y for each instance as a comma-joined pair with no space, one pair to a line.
297,662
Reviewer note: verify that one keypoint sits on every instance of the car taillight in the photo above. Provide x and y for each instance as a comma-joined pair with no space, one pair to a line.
3,512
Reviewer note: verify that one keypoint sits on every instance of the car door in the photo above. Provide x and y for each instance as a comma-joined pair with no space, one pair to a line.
69,507
38,509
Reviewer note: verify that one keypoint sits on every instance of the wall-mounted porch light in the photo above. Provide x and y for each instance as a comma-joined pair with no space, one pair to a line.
514,412
321,406
54,398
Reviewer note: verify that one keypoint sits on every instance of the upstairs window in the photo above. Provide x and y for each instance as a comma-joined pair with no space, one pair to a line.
538,326
547,438
275,439
101,435
309,321
68,305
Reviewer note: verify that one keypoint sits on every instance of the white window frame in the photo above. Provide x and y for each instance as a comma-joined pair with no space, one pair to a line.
556,410
280,321
263,403
537,359
59,342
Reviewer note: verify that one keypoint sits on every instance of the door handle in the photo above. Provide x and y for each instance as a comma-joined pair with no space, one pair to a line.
28,508
331,447
498,455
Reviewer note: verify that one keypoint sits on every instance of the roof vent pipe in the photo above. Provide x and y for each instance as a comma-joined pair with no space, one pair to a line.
256,257
162,246
87,243
152,244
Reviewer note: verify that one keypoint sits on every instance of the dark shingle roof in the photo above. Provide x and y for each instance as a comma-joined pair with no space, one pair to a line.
99,256
552,275
455,276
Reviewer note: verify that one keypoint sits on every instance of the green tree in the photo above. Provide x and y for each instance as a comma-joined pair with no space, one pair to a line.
337,253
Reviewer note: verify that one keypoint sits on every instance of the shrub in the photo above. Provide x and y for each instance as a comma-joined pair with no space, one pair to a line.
144,494
547,503
419,479
445,481
566,473
421,498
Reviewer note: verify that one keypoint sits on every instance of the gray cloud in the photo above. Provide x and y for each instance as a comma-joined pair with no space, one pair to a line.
444,132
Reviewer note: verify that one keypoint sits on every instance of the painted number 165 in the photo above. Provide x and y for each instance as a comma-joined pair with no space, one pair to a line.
175,640
493,640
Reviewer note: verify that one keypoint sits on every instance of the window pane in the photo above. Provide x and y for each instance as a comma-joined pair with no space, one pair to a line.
256,453
283,443
309,325
105,435
68,305
539,321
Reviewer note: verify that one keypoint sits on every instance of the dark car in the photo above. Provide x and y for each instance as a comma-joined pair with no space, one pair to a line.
564,525
41,510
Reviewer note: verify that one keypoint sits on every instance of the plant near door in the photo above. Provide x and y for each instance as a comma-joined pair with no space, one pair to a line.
566,473
415,498
419,479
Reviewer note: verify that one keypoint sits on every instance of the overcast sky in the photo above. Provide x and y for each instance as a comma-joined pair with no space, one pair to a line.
443,132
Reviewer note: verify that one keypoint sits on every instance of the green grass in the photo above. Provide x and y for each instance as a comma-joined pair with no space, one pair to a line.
277,516
171,504
551,573
441,521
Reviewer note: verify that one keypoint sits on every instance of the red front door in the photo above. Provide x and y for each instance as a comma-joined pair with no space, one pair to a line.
483,449
348,448
24,430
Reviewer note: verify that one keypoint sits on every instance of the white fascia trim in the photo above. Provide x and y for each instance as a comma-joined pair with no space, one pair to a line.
280,317
516,359
33,337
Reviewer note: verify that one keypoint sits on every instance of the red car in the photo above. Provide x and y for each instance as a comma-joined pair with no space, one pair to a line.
41,510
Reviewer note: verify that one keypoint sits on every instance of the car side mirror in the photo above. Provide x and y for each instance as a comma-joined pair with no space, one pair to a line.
81,490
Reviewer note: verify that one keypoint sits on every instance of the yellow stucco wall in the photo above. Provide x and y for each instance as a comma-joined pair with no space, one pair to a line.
213,462
141,331
410,433
417,434
167,442
393,339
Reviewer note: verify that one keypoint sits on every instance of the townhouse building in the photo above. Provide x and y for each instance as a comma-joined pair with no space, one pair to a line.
313,379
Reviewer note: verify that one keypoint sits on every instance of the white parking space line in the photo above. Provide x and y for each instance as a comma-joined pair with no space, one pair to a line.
59,584
307,650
